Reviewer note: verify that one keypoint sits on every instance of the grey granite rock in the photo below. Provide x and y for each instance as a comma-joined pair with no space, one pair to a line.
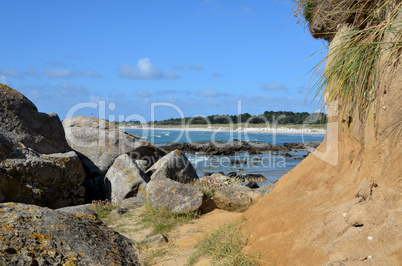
34,235
102,142
36,164
175,166
21,122
52,180
176,197
125,179
235,198
85,209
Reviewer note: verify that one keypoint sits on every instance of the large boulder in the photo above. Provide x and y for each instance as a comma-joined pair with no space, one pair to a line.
235,197
36,164
21,122
102,142
175,166
52,180
32,235
174,196
125,179
98,143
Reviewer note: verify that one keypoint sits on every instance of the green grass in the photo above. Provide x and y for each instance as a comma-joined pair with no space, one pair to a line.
308,10
162,220
103,208
224,246
352,66
305,10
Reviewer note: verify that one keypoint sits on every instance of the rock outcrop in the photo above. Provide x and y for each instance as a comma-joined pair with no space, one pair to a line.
102,142
32,235
125,180
174,196
234,147
36,164
175,166
52,180
235,197
99,143
21,122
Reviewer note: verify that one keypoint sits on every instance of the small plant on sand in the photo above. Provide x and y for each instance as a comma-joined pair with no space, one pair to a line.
224,246
103,208
161,220
208,185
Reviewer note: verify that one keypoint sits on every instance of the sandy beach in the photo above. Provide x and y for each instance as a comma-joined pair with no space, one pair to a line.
270,130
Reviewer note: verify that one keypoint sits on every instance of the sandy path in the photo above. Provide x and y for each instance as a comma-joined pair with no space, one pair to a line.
181,240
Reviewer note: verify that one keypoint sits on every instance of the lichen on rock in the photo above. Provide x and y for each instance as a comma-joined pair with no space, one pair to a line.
32,235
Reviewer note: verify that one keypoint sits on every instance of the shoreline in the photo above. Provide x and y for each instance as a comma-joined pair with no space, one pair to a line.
268,130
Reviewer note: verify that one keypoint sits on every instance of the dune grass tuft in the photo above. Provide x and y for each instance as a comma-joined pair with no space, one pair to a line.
352,67
224,246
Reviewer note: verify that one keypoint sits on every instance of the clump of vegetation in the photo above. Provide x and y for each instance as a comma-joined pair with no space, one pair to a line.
161,220
208,185
304,9
103,208
352,66
224,246
371,40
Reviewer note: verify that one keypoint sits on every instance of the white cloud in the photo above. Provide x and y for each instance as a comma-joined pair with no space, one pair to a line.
73,57
196,67
143,94
164,92
8,72
90,73
246,9
172,75
59,73
68,90
210,92
32,73
145,70
207,92
217,75
4,80
57,63
273,86
178,67
214,5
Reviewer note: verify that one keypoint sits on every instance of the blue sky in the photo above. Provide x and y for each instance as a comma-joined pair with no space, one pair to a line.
194,57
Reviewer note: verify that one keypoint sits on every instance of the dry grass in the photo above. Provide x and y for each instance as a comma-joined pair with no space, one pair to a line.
162,220
103,208
352,66
224,246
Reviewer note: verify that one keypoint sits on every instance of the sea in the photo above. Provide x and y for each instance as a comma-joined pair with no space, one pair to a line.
272,166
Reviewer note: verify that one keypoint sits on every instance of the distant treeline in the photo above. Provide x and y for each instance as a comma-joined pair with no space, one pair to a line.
281,117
